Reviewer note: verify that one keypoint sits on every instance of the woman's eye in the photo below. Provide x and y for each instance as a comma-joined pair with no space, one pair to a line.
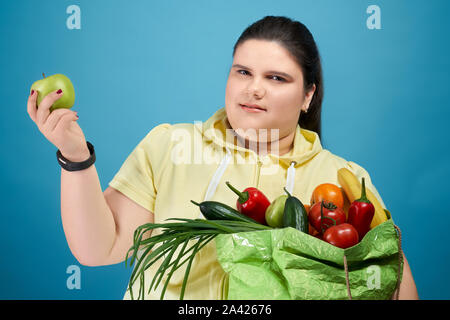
279,78
239,71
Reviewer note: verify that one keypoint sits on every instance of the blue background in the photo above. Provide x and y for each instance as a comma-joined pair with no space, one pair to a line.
136,64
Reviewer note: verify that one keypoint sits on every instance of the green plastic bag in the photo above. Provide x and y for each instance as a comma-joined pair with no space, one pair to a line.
289,264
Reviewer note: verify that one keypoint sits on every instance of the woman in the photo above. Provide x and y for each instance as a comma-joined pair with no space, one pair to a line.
272,108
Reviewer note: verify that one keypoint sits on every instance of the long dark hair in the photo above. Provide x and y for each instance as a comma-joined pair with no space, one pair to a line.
297,39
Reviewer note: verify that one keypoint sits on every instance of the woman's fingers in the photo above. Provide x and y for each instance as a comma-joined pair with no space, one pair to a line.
43,111
63,124
58,126
55,117
31,105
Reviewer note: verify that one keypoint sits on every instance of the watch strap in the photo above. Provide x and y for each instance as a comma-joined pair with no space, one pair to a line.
76,166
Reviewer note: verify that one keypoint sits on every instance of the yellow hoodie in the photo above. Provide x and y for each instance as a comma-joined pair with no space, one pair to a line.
176,163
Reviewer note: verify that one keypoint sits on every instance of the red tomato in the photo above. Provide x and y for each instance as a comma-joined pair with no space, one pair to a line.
343,235
329,210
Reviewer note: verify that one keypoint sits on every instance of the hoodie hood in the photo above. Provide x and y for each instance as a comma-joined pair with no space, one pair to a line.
306,142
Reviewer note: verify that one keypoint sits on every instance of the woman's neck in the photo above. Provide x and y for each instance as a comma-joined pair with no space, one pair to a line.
279,147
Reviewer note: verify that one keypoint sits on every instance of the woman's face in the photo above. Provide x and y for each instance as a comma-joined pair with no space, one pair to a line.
264,73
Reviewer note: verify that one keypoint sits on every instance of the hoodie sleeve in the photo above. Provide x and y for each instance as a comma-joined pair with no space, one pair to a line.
361,172
136,177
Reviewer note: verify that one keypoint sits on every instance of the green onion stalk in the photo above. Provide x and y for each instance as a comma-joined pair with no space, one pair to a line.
164,246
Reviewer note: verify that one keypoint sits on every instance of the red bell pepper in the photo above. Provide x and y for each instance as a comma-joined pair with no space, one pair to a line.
361,212
252,203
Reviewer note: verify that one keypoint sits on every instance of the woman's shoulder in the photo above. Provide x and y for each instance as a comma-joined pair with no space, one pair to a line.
170,127
357,169
168,131
332,159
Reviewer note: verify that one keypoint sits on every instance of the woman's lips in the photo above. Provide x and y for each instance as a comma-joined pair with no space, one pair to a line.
251,109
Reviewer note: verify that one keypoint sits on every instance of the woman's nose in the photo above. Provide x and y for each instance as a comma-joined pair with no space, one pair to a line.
255,88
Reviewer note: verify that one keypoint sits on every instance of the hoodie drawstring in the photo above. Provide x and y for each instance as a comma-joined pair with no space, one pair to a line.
216,178
290,180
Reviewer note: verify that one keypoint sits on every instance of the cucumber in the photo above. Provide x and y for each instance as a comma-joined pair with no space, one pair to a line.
294,214
214,210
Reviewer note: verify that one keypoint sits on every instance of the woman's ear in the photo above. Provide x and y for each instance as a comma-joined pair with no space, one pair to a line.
308,97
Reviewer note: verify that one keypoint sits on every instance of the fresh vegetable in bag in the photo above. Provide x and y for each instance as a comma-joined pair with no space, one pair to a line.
274,212
294,214
252,203
267,263
288,264
361,212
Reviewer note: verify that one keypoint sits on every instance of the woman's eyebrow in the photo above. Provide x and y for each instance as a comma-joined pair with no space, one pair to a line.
270,71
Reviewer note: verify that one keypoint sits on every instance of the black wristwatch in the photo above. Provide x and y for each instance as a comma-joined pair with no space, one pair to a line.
76,166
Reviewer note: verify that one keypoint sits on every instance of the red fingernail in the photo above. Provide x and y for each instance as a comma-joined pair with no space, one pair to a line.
59,91
32,91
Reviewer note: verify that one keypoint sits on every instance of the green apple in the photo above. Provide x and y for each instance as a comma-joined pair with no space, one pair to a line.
53,83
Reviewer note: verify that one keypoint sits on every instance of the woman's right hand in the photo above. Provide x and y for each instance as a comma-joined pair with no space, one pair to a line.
59,126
